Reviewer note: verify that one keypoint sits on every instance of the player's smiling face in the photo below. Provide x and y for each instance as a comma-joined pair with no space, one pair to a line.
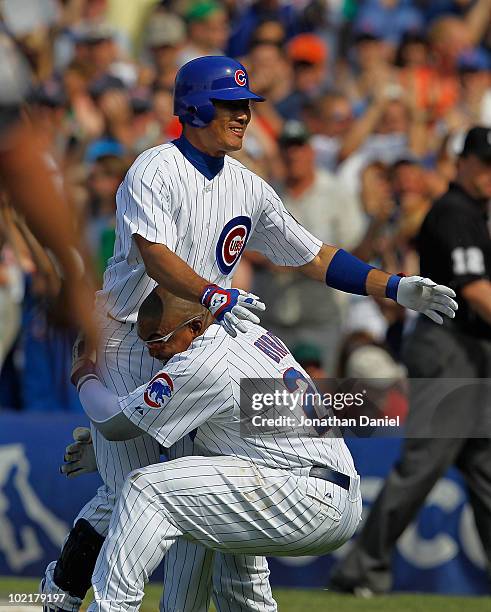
226,132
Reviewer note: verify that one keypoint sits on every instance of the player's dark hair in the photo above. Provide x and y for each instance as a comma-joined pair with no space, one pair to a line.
152,307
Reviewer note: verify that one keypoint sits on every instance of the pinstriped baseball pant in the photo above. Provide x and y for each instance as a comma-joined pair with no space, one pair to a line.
240,583
224,503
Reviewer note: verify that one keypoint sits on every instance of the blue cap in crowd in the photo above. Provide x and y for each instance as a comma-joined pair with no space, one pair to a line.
474,60
102,147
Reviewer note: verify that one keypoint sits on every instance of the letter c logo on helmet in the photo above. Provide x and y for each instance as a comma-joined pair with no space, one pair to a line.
205,79
240,78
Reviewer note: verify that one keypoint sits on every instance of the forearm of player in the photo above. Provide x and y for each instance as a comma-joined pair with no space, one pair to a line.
38,197
478,295
103,409
29,181
170,271
343,271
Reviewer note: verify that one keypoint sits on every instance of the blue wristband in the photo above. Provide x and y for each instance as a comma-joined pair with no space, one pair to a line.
348,273
392,286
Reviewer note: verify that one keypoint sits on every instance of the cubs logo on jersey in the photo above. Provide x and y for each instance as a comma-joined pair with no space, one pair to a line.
231,243
160,387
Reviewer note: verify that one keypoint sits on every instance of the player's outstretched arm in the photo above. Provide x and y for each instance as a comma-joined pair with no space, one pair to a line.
230,307
343,271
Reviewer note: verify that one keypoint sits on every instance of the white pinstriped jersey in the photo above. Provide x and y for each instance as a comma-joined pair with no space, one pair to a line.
207,223
200,388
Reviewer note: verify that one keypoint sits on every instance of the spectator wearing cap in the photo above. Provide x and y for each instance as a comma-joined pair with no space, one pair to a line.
101,54
102,147
164,38
474,103
74,18
308,55
207,30
318,201
448,423
309,356
48,111
371,365
145,126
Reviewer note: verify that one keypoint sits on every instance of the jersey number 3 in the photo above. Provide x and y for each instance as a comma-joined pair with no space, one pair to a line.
295,381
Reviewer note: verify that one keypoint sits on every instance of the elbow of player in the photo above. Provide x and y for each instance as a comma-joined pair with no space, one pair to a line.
118,429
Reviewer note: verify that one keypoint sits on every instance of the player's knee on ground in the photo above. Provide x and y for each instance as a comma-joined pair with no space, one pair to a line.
76,564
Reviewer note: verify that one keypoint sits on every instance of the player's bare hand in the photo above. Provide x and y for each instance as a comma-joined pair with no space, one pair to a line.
423,295
79,456
231,307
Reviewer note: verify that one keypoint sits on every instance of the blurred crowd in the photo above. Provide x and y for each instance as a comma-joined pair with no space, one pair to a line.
366,106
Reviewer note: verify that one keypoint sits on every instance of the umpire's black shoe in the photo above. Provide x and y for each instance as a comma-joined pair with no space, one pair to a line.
358,590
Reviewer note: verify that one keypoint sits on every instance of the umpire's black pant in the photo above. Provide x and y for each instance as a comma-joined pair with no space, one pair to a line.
431,352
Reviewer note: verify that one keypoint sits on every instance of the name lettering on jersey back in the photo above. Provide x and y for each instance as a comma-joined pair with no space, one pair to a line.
272,346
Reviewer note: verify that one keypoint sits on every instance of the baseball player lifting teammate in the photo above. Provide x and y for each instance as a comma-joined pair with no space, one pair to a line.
293,495
185,213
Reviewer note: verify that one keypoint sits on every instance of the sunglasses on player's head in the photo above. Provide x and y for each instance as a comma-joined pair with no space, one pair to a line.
168,336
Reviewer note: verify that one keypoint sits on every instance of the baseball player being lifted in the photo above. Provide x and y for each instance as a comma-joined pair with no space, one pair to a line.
246,493
185,213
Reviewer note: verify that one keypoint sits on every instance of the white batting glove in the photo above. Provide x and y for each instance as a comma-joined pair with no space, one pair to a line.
231,307
79,456
423,295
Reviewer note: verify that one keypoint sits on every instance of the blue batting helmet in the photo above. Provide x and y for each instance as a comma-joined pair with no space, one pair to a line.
205,79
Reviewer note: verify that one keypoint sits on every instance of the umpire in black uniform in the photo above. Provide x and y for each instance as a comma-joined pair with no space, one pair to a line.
449,418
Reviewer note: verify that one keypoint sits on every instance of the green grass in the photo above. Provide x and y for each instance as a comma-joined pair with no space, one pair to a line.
290,600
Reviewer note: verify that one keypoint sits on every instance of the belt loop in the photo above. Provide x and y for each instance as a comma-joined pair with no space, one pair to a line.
354,488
